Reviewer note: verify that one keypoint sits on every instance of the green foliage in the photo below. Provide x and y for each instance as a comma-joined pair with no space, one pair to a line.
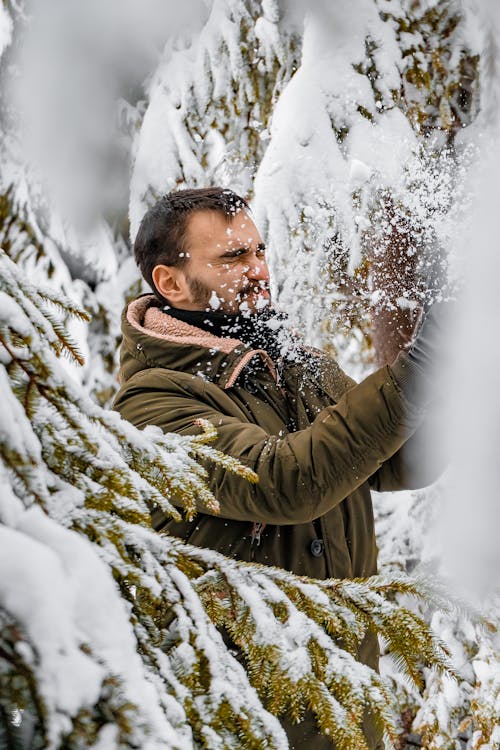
440,76
223,93
94,474
297,638
18,238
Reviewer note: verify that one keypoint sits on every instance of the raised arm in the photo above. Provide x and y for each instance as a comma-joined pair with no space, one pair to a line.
423,458
302,475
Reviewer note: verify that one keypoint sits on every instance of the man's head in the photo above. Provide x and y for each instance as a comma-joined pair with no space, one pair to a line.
200,250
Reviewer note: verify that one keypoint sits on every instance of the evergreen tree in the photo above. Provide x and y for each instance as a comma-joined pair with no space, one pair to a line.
352,122
92,265
458,713
111,633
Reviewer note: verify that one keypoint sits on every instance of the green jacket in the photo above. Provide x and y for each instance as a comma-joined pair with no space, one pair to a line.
316,440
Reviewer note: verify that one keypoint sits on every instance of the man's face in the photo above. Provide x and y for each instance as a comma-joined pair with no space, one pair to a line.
226,269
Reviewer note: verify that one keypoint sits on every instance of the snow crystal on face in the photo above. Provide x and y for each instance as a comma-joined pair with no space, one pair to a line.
261,303
214,301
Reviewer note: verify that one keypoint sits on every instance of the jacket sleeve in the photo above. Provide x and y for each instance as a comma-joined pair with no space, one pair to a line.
418,463
421,460
302,475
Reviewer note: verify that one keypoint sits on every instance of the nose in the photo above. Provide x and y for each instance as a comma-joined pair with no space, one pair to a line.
258,269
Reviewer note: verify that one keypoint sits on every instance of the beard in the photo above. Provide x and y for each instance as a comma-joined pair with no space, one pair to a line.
200,293
202,296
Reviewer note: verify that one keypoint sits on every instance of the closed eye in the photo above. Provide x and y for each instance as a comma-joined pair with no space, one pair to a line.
238,252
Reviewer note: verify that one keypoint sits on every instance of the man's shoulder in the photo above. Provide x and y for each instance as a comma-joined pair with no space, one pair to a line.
161,380
321,370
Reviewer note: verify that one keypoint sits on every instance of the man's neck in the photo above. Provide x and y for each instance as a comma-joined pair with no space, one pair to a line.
260,330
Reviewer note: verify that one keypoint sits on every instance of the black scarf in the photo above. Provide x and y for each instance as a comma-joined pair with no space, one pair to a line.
263,330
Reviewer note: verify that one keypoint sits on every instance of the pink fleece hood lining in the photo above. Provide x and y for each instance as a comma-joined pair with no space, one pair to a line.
160,325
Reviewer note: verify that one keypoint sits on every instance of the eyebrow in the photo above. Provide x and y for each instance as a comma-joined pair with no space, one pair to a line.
235,250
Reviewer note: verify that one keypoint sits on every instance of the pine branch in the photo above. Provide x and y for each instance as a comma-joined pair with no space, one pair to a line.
298,638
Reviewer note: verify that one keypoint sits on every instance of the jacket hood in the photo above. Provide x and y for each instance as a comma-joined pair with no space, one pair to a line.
152,338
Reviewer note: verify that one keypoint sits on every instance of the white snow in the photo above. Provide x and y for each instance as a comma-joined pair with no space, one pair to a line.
214,301
5,28
64,597
313,186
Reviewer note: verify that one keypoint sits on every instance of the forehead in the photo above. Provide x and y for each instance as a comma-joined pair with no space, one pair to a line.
208,230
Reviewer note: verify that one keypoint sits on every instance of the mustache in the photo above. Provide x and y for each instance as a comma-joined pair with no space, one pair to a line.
261,286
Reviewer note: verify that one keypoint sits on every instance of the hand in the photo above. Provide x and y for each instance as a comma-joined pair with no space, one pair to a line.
434,338
419,371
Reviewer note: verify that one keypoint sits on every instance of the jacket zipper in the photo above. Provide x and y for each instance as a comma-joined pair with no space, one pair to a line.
257,530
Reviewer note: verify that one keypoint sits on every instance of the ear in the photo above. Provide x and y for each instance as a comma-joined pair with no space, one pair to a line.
171,283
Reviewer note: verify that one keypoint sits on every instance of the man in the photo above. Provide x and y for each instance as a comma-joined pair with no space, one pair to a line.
207,344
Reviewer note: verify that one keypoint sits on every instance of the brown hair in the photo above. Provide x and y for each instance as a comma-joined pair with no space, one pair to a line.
162,234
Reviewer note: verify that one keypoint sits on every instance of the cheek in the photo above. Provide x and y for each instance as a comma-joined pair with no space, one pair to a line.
217,277
232,275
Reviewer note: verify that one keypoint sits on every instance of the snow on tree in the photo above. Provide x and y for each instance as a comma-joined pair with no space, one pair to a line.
350,128
109,630
366,189
210,101
461,713
89,260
